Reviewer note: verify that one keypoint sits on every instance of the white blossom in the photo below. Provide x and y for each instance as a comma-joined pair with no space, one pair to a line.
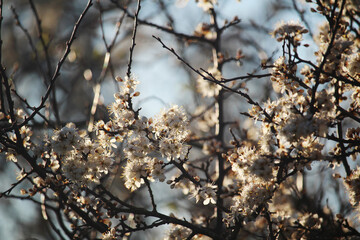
209,88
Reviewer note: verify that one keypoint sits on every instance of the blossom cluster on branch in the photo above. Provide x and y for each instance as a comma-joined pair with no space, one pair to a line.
235,178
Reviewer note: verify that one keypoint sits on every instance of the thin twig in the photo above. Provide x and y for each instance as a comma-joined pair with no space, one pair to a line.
2,97
302,17
214,80
166,219
327,53
45,46
54,227
30,41
248,76
7,192
106,64
164,29
133,43
56,73
151,194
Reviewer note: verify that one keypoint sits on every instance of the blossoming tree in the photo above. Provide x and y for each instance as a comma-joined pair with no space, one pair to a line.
235,175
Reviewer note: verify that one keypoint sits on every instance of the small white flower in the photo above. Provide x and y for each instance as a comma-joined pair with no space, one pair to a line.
207,193
207,88
290,29
206,5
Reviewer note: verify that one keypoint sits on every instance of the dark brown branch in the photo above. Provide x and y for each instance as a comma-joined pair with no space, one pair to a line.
327,53
2,97
151,194
164,29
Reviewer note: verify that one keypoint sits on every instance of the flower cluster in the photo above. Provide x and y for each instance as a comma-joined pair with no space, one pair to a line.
82,160
171,130
353,134
281,76
204,30
342,47
144,139
206,5
295,126
290,30
110,235
352,66
209,88
254,196
352,183
123,115
166,135
179,233
207,193
185,184
256,184
206,118
245,161
353,6
25,133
